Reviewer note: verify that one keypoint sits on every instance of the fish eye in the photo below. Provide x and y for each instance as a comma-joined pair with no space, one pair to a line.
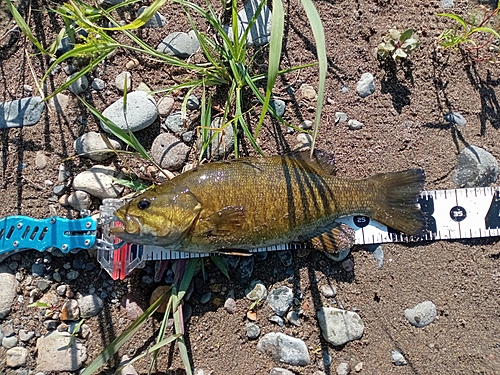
143,204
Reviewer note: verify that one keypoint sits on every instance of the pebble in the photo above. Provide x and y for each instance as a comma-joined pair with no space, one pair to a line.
8,294
358,367
343,368
280,300
79,86
166,105
179,44
328,291
21,112
354,124
8,329
132,306
222,144
306,124
169,152
253,331
447,4
304,139
41,160
72,275
377,252
286,257
341,116
365,85
475,167
280,371
278,320
256,290
79,200
97,181
279,106
98,84
339,326
141,112
9,342
230,303
127,369
422,314
16,357
59,190
204,299
122,79
306,92
70,310
260,31
245,268
293,318
26,336
90,305
455,118
157,21
43,285
174,123
59,102
284,349
58,352
92,146
69,69
193,102
398,359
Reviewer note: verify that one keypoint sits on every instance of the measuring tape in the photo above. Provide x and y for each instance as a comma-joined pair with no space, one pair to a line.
448,214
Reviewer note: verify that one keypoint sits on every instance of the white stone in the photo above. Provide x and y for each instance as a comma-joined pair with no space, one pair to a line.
339,326
59,351
422,314
366,85
284,348
16,357
92,145
8,292
98,183
121,79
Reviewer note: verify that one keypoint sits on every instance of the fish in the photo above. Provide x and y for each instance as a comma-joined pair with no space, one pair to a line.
246,203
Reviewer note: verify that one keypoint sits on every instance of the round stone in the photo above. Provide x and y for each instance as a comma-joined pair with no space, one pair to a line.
422,314
169,152
253,331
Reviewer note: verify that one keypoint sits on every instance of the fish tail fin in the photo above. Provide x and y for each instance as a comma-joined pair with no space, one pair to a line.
397,195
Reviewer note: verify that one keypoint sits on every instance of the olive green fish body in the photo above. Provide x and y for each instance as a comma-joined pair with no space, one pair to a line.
256,202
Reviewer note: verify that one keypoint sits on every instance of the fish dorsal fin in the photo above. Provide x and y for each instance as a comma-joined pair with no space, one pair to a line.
226,221
334,238
321,161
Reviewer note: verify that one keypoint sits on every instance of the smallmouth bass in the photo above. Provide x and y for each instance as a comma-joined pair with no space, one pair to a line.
233,206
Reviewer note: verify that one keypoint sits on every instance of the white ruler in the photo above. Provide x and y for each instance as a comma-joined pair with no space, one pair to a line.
449,214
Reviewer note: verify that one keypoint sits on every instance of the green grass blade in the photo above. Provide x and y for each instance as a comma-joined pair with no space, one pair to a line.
275,45
319,37
117,343
219,263
455,17
486,30
140,21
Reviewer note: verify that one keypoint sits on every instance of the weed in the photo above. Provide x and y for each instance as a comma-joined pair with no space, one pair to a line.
397,45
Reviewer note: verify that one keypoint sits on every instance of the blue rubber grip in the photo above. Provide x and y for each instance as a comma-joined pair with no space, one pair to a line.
23,232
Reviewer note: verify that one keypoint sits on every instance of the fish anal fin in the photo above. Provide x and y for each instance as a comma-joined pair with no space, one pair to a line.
339,237
227,220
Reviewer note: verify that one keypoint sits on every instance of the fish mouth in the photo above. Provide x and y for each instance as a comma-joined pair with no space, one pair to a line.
131,225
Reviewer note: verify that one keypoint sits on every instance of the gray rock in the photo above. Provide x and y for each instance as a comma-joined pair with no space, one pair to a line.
286,257
328,291
59,190
343,368
9,342
222,144
72,275
278,320
455,118
127,369
280,300
397,358
174,123
90,305
476,167
179,44
245,268
21,112
80,200
253,331
193,102
279,106
79,86
98,84
92,145
8,329
339,326
43,285
365,85
355,124
157,21
280,371
378,253
121,79
293,317
341,116
204,299
256,291
97,181
58,351
8,292
16,357
260,31
284,349
59,102
26,336
169,152
230,303
422,314
141,112
447,4
306,124
166,105
187,137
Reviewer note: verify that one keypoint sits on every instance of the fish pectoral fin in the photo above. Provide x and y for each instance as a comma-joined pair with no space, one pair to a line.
336,238
227,220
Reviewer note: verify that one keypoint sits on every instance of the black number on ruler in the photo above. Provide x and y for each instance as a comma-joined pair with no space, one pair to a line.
361,221
492,219
458,214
